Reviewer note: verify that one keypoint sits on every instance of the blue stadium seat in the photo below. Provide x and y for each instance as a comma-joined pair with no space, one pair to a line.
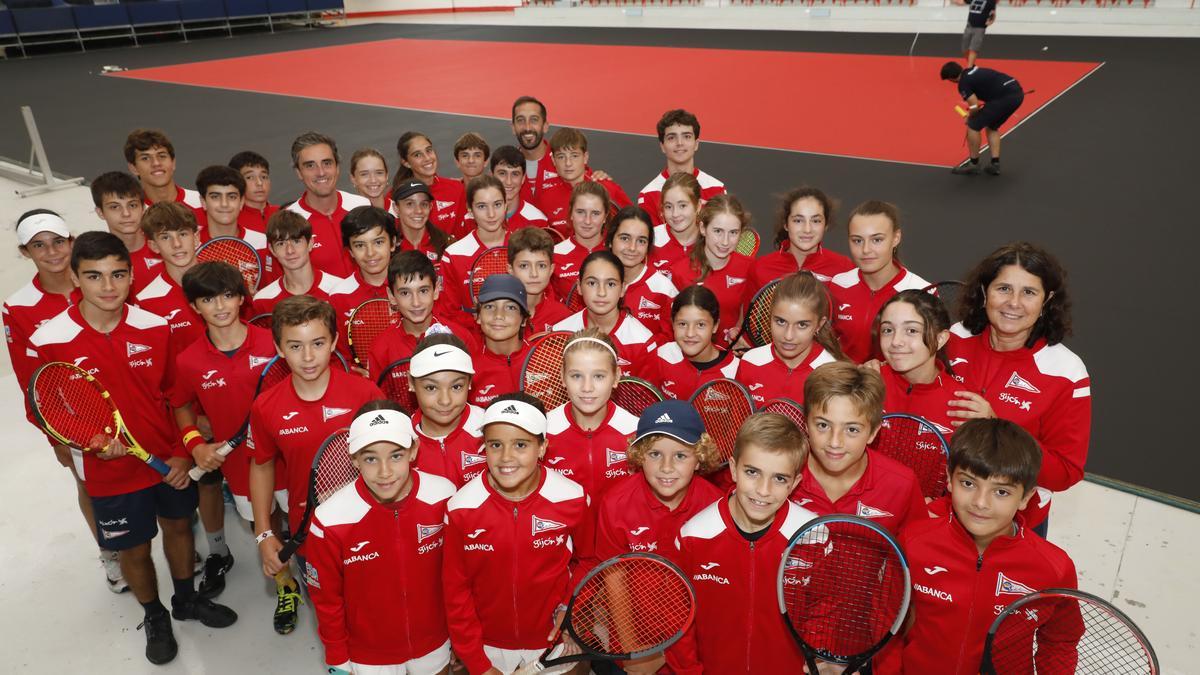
46,25
102,22
248,13
156,17
318,7
286,8
8,32
203,15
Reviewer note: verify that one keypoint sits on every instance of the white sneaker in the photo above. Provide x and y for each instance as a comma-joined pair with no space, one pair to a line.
112,570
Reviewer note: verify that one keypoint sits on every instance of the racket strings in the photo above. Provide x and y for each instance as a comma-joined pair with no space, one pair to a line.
723,407
758,315
542,374
72,405
334,468
366,324
277,371
1066,634
491,261
843,587
632,606
635,396
237,253
789,409
394,385
909,442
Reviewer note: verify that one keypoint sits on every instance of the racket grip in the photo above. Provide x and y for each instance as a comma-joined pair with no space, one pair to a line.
157,464
289,548
197,473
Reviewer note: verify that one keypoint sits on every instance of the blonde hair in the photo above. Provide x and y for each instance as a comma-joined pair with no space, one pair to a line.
773,433
705,449
863,386
804,289
591,339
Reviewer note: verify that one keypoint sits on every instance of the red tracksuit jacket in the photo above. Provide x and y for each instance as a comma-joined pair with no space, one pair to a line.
649,298
457,456
823,263
650,198
328,254
738,628
931,401
635,343
631,519
957,592
1046,389
679,378
594,459
887,493
767,377
496,374
375,571
731,285
508,564
855,306
568,261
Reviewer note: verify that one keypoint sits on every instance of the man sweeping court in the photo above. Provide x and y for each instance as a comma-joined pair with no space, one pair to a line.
1002,95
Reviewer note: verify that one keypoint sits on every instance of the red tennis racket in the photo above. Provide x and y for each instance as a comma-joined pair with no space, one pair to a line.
789,409
574,299
393,382
541,374
366,323
73,407
916,443
276,371
723,406
236,252
628,607
1062,630
635,395
844,589
331,471
263,320
492,261
756,324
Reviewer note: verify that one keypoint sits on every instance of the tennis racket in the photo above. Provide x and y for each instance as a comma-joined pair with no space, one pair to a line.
541,374
723,406
276,371
789,409
73,407
262,320
756,324
916,443
574,299
629,607
492,261
393,382
844,590
236,252
635,395
748,242
366,323
331,471
1065,631
557,236
950,293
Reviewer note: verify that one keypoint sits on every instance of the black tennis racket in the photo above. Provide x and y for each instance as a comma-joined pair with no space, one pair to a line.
723,406
1061,631
916,443
331,471
393,382
844,590
628,607
635,395
276,371
950,293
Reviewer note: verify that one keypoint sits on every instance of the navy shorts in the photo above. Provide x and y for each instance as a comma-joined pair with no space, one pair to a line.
131,519
997,112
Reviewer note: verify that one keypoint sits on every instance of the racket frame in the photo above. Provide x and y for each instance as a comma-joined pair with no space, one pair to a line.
766,294
118,422
853,662
587,653
784,401
292,545
533,349
639,382
361,360
472,291
741,390
938,437
240,437
252,288
986,667
410,405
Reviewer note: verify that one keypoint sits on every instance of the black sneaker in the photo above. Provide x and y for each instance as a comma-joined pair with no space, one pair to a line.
208,612
287,597
197,563
966,169
993,169
160,641
215,568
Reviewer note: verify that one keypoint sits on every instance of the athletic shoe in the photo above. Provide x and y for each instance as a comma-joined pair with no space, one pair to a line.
287,597
993,169
966,169
215,568
160,641
208,612
112,570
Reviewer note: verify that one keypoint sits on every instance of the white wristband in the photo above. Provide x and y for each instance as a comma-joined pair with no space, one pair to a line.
263,537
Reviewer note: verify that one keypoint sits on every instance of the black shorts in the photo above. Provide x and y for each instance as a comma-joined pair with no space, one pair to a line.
997,112
131,519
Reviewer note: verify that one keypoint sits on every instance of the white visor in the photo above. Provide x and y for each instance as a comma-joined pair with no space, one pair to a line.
516,413
29,228
438,358
381,425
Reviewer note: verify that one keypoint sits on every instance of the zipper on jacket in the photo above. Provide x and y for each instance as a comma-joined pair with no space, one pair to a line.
970,610
403,573
750,614
516,567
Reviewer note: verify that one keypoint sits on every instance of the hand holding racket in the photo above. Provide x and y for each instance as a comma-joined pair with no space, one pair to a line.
236,252
844,590
74,408
331,471
916,443
628,607
1061,631
274,372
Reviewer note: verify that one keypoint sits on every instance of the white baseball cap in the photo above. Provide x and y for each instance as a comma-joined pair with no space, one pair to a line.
381,425
517,413
438,358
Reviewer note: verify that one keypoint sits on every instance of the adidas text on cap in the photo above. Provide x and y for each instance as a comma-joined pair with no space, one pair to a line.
516,413
377,426
677,419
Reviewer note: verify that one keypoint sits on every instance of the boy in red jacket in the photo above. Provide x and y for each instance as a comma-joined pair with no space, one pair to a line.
375,555
513,535
843,404
731,551
968,565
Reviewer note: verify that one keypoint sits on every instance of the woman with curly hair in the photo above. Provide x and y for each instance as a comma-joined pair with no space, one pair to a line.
1016,311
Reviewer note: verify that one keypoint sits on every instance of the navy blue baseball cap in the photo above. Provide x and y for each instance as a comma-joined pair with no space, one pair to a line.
506,286
677,419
